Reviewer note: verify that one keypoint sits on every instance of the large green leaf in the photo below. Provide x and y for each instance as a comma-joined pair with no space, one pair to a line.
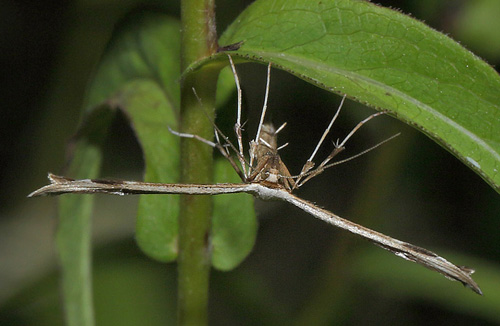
387,60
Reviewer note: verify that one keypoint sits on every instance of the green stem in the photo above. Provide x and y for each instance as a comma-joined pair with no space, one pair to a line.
199,40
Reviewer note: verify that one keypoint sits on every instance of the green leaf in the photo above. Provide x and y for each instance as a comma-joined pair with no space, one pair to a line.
387,60
234,225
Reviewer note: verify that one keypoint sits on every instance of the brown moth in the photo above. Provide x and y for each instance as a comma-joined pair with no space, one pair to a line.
265,176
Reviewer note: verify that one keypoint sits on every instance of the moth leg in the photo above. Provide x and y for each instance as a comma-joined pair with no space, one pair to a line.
310,164
237,125
255,143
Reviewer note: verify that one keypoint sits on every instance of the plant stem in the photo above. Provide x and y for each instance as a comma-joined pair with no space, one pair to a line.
199,39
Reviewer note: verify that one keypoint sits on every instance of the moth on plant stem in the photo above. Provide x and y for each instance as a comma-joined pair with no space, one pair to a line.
265,176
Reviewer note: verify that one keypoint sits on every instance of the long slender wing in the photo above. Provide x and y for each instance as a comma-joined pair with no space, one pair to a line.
401,249
62,185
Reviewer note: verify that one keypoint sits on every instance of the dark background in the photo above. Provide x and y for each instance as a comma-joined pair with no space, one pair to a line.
301,270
